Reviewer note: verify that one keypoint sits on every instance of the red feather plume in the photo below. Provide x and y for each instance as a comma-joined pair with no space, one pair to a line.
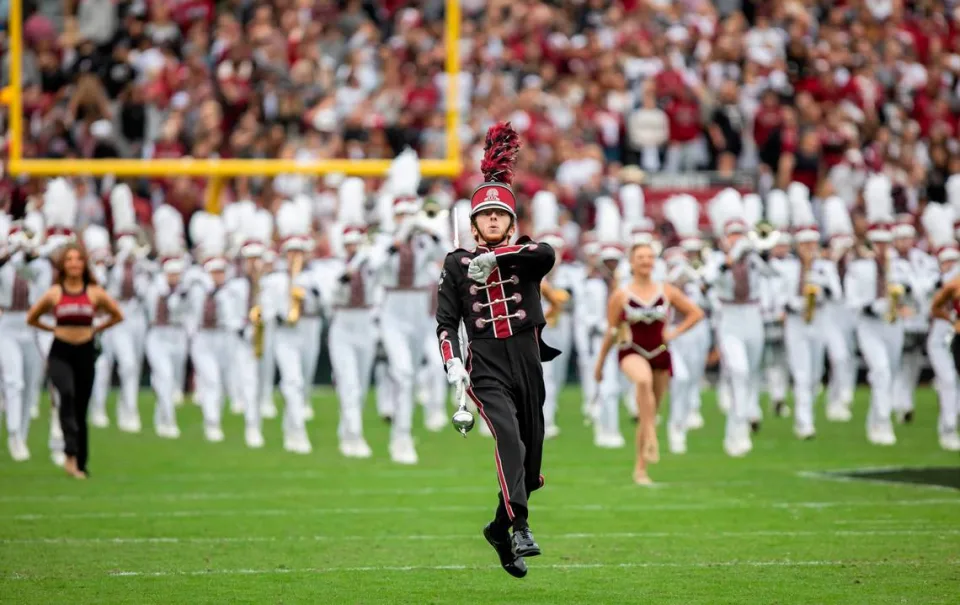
500,153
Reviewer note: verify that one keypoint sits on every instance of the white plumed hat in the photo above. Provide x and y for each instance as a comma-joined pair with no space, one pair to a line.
293,227
210,237
953,198
403,181
60,208
236,218
546,218
802,220
683,212
878,199
836,220
726,213
632,204
350,210
778,214
124,216
96,239
168,238
937,221
608,228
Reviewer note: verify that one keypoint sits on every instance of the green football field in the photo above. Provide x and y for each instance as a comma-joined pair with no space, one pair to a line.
190,522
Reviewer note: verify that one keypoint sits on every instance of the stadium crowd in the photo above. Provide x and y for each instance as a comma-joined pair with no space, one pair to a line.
812,91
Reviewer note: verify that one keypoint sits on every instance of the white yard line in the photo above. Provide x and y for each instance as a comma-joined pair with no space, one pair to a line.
431,538
389,510
554,566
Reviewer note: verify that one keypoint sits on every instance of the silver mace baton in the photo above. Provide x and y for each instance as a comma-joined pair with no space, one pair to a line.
463,419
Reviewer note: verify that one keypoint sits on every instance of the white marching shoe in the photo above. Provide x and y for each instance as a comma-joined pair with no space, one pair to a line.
178,398
737,443
436,420
881,434
551,431
839,412
58,458
18,449
804,433
35,411
236,407
268,409
308,413
128,423
402,451
213,434
167,431
253,437
355,448
609,440
297,443
676,440
950,441
100,420
694,420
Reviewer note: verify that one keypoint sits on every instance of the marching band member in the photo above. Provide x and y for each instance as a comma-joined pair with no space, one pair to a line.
688,350
166,346
875,289
252,341
807,281
556,290
591,309
96,239
916,323
841,338
772,301
431,377
320,263
281,297
124,346
736,276
404,314
21,362
937,222
580,271
353,334
237,219
267,364
218,314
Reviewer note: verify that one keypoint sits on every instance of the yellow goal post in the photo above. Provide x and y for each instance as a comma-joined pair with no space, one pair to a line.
216,169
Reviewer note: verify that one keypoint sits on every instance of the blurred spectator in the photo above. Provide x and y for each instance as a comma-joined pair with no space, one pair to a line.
818,91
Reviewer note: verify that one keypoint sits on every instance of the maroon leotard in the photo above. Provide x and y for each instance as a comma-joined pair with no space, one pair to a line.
647,321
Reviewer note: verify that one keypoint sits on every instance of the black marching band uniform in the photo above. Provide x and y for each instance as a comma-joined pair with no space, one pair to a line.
504,319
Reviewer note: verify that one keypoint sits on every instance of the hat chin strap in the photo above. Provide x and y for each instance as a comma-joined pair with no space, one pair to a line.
503,240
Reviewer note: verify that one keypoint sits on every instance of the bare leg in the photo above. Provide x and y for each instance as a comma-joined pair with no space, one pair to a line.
638,371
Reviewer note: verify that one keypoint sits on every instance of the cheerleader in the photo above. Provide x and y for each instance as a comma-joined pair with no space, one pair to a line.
639,312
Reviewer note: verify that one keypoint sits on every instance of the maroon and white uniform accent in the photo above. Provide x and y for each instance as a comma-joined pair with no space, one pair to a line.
353,337
646,321
166,346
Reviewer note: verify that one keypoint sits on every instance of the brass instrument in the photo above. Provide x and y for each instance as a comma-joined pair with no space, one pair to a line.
256,315
895,294
810,292
296,293
557,299
764,236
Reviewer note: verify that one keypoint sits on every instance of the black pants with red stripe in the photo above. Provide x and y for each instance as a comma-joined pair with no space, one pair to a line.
507,386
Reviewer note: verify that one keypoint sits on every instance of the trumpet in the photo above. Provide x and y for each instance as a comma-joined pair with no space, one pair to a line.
557,299
256,314
895,294
763,236
296,293
810,292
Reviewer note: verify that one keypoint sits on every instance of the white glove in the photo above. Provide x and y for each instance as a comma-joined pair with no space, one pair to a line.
481,267
457,375
880,307
740,248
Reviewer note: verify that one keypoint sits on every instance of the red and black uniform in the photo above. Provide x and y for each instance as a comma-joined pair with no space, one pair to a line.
503,320
71,371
